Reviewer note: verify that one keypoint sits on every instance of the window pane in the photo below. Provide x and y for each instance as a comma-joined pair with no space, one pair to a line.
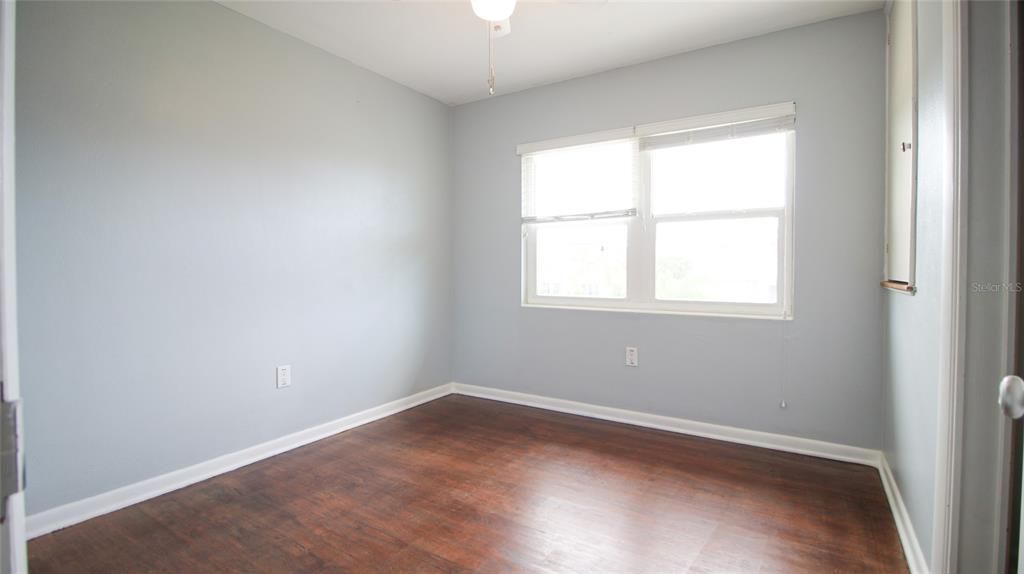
725,260
582,179
581,260
740,173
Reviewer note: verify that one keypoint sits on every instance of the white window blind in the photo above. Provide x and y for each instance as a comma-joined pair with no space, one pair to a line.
728,131
590,181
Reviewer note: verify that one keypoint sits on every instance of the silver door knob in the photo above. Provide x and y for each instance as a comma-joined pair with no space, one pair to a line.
1011,396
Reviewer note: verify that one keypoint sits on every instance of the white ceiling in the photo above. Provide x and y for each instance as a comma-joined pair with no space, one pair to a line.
440,48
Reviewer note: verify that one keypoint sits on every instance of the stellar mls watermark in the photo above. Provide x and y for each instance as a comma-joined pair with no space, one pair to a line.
983,287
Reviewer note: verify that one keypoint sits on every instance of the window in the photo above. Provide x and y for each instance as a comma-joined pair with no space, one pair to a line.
689,216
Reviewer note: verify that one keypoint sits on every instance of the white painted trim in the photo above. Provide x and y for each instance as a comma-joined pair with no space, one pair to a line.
82,510
645,311
949,435
904,526
761,439
784,443
9,291
16,558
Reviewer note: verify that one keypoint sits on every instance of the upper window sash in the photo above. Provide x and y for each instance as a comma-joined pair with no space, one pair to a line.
693,174
589,181
710,127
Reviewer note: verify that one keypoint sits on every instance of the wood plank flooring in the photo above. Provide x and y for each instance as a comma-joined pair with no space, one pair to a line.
469,485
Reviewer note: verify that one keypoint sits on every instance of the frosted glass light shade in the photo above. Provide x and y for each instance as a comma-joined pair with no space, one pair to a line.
493,10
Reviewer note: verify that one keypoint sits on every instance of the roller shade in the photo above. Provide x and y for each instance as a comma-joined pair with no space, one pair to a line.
593,181
597,175
699,135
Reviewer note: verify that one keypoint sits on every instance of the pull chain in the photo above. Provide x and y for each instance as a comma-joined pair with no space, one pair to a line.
490,59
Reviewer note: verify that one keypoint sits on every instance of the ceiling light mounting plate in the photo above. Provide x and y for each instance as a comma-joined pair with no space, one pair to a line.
502,28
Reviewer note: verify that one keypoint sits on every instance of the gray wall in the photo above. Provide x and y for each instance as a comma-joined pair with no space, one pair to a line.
912,343
826,363
201,199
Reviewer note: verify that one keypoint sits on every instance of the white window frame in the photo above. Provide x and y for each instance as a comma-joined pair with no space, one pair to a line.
641,224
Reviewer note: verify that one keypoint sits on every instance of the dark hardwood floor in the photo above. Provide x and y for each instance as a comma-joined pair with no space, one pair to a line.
469,485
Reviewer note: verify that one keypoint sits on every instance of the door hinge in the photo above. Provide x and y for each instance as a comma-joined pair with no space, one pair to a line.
11,477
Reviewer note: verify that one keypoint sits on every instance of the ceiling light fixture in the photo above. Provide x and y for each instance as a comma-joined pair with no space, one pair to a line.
497,14
493,10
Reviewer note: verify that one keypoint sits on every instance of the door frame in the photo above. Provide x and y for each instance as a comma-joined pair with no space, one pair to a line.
945,534
14,559
953,352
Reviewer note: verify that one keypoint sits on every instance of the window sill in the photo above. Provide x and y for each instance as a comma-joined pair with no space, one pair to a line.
658,312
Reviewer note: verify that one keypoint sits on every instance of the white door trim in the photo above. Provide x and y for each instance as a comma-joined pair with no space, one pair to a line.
945,534
13,531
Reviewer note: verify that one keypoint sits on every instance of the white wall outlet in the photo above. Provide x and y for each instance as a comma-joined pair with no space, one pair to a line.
632,357
284,376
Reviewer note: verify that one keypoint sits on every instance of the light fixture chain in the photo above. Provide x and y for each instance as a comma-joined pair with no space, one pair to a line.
490,59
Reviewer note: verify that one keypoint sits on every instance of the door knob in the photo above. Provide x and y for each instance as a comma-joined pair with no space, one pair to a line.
1011,396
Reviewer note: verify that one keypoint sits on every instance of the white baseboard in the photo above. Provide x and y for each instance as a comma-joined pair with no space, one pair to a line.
772,441
908,538
82,510
821,449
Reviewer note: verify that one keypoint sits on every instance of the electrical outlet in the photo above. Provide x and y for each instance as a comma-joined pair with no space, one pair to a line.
284,376
632,357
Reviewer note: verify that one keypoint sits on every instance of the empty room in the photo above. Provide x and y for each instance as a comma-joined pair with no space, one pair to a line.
503,286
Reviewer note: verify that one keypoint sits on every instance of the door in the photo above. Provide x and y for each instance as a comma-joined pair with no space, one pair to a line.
12,503
1011,388
1011,399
